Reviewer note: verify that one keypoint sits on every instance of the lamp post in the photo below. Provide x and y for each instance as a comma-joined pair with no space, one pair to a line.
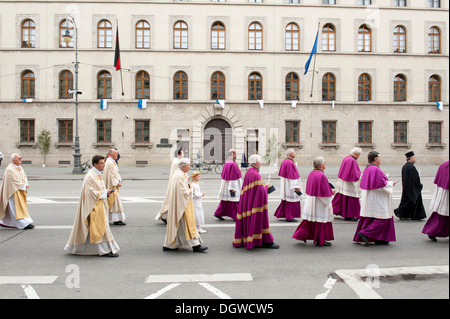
68,38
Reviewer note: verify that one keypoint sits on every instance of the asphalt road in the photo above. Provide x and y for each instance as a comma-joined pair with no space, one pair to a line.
33,263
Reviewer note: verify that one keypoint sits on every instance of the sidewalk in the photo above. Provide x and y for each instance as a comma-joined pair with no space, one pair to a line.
162,172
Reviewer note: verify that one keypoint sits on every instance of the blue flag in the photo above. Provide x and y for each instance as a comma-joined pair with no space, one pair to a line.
313,51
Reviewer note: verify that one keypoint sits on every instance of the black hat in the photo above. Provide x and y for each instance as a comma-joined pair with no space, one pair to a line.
409,154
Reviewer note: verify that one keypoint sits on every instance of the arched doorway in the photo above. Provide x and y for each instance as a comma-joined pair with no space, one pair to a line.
217,140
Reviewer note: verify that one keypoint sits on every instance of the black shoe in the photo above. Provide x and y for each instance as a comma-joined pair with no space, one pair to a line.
432,238
381,242
164,221
293,220
119,223
324,244
363,237
110,254
351,219
219,218
169,249
271,245
199,249
30,226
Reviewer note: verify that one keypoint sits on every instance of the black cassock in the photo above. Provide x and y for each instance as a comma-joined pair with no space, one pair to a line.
411,204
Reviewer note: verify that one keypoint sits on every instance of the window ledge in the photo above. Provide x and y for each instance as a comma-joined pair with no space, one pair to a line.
57,145
371,145
329,145
97,145
292,144
149,145
398,145
435,145
26,144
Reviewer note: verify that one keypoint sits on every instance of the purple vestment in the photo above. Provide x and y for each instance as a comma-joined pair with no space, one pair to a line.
441,178
373,178
288,169
231,171
349,170
252,219
286,209
347,206
318,185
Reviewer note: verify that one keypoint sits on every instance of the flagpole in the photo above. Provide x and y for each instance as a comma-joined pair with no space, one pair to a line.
117,40
314,66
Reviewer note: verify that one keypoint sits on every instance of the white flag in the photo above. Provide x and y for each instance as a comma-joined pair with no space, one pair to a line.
293,104
29,100
440,105
332,104
261,104
221,103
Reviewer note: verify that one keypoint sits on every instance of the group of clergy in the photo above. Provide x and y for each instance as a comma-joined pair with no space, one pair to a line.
365,196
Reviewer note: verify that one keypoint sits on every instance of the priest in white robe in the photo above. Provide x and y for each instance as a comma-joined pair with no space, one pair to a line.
13,196
91,234
181,226
113,182
165,206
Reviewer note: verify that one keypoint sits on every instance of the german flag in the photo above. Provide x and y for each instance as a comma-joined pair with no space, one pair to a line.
117,52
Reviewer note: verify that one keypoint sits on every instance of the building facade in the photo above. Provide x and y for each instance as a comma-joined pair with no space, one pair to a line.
210,75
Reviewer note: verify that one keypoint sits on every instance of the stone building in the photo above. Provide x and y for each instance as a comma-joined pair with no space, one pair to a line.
210,75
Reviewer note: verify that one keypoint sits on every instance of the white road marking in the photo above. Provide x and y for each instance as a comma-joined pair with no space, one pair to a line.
30,292
162,291
214,290
353,277
328,285
27,280
198,278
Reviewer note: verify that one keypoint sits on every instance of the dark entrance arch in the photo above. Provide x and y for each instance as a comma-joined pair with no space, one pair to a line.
217,140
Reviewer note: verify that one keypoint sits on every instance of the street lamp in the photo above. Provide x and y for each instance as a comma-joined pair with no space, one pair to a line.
68,38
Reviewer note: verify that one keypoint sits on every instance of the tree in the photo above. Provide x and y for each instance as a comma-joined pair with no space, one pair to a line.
43,143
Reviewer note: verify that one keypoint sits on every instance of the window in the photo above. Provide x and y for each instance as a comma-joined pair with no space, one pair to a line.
292,1
328,87
142,131
65,84
28,34
364,87
434,3
104,34
434,89
63,26
365,132
142,35
364,39
27,88
400,132
217,36
399,3
434,132
292,37
292,87
328,132
103,131
255,1
104,85
255,87
328,38
26,131
399,39
142,85
434,40
217,86
65,131
328,1
255,36
364,2
292,131
180,86
180,35
400,85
